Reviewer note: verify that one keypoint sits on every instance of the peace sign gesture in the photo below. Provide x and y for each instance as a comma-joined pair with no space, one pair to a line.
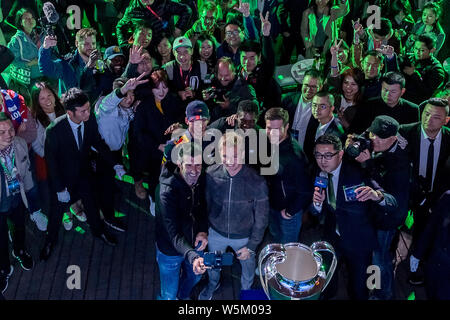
265,24
244,8
132,83
335,48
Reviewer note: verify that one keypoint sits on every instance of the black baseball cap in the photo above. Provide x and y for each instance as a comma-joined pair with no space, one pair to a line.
384,127
197,110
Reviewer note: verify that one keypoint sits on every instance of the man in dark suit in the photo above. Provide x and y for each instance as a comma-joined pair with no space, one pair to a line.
298,105
429,149
322,108
69,140
348,216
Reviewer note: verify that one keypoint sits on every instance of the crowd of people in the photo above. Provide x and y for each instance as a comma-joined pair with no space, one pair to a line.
183,97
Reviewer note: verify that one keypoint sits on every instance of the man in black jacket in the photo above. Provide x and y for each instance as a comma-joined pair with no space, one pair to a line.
390,103
181,224
290,186
388,166
67,151
423,72
159,13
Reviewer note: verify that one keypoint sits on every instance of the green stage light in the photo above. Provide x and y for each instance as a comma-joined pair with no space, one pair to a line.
80,230
412,296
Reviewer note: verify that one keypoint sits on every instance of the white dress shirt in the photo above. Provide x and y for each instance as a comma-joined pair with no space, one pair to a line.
424,145
74,127
322,128
301,119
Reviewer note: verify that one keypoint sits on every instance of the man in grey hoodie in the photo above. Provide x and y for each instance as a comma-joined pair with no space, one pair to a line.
238,210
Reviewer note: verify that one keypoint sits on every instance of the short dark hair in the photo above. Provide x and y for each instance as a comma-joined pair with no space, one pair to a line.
385,28
330,139
277,114
74,98
438,102
188,149
374,53
19,16
248,106
231,19
394,77
4,117
429,39
324,93
435,7
313,73
250,46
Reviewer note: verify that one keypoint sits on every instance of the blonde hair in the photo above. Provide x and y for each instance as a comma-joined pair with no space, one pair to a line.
232,141
82,34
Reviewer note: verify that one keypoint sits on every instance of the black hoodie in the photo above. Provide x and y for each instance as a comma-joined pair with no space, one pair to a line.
6,57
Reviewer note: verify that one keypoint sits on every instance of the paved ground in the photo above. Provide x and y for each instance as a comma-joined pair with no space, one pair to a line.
128,271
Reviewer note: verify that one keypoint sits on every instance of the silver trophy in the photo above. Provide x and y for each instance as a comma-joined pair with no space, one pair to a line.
294,271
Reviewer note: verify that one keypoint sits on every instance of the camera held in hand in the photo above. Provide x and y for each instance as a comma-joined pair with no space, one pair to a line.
359,144
215,93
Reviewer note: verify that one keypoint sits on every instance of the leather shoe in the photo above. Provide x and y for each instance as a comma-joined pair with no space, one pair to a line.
108,239
46,251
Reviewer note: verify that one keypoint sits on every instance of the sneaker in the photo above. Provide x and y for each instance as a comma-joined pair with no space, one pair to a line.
25,260
152,206
67,221
206,294
4,277
116,224
40,220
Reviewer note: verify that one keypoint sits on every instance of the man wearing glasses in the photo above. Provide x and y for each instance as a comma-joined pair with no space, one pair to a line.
298,105
346,204
233,39
322,108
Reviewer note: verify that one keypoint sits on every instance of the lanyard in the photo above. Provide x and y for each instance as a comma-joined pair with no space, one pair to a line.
185,79
154,13
9,173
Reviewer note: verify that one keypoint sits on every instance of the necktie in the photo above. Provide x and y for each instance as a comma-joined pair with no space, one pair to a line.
331,196
80,138
430,165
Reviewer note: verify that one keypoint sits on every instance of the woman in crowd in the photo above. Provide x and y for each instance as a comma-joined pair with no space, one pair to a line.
163,52
205,50
348,94
24,70
159,110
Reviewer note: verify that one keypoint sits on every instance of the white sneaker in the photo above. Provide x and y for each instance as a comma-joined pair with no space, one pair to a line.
67,221
40,219
152,206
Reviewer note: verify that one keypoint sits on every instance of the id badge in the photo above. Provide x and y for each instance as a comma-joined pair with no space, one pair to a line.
14,187
349,192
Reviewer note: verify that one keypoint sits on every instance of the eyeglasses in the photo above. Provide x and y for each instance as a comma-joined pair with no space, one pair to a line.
232,33
327,156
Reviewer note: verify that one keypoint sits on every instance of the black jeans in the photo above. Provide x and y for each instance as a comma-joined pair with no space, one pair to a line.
17,217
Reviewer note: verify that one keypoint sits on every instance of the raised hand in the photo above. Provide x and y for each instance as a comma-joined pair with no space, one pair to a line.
93,57
335,48
136,54
131,84
244,8
386,50
265,24
50,41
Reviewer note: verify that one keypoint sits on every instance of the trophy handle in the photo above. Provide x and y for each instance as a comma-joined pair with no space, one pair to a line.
325,246
271,254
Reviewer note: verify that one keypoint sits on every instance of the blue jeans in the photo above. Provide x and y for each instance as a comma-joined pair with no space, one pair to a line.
284,230
383,259
172,287
216,242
